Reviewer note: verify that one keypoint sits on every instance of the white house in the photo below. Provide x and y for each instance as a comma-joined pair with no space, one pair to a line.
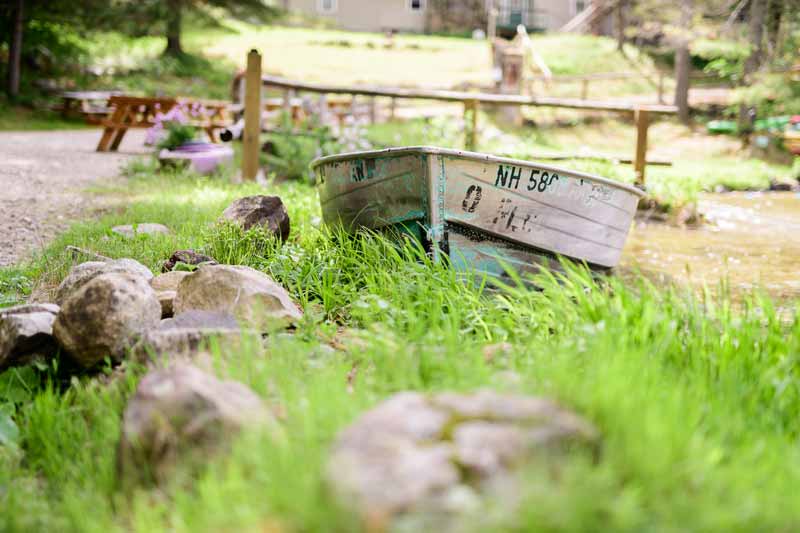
421,16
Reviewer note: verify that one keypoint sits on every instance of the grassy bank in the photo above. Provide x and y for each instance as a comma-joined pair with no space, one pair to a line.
696,401
15,118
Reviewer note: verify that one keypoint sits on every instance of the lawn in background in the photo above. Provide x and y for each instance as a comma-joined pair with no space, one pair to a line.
355,58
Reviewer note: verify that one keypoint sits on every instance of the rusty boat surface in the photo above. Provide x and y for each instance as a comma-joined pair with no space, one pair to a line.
480,210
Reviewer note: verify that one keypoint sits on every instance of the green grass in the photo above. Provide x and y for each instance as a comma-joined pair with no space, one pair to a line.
415,60
15,118
696,398
347,58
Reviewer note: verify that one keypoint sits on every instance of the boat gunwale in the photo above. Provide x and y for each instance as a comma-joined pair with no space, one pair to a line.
470,156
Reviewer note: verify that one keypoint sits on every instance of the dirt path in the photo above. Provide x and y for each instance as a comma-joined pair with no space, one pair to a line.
43,178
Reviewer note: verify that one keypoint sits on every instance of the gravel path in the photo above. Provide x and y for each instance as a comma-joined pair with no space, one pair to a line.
43,176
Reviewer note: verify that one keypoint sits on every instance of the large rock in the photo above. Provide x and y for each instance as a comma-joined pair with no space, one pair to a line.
147,228
430,456
26,332
253,297
265,211
168,281
188,257
201,320
84,272
105,317
166,287
182,343
188,334
179,416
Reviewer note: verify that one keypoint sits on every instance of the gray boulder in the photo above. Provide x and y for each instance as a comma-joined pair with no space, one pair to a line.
187,335
182,343
82,273
105,316
201,320
265,211
180,416
432,458
168,281
251,296
148,228
166,286
26,332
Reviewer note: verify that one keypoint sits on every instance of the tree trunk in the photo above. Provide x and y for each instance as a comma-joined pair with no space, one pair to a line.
775,12
15,51
174,47
757,13
619,21
683,63
747,115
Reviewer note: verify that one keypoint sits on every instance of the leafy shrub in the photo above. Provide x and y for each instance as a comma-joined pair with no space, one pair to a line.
721,57
289,153
771,94
175,127
177,134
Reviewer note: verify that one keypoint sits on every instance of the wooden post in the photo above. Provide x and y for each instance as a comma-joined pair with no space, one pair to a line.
470,125
288,115
252,117
491,32
584,88
511,83
242,83
642,118
373,110
323,109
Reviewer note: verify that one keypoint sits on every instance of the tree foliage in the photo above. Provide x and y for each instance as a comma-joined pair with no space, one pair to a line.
51,30
746,42
165,17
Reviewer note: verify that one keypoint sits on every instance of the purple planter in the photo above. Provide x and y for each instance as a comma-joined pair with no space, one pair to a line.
202,157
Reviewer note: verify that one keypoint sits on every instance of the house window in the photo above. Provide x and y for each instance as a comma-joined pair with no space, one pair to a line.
416,5
327,6
578,6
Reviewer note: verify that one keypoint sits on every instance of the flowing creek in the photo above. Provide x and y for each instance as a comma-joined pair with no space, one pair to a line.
752,240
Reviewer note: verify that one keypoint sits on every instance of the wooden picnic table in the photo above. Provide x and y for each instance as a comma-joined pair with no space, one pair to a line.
140,112
91,105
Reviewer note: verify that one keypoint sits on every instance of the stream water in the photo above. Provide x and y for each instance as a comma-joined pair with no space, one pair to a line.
750,239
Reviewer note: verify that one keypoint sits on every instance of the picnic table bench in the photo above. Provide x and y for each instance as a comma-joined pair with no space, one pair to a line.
140,112
91,105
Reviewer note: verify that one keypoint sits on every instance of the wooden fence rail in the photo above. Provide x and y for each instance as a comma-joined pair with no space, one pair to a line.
473,100
463,96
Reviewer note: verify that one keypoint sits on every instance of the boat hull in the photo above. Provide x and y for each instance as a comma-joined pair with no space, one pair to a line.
482,211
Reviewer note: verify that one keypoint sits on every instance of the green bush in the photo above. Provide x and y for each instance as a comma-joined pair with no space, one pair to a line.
177,135
721,57
771,95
